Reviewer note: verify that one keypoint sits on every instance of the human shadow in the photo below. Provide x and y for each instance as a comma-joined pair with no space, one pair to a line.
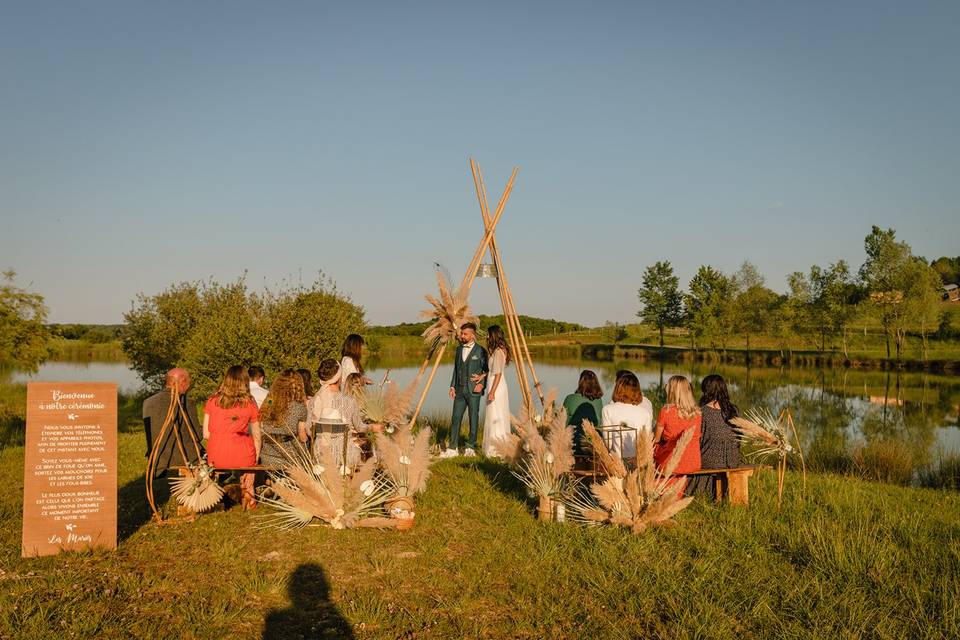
311,614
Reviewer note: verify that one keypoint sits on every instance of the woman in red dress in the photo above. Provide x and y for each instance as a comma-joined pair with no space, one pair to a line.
231,425
677,416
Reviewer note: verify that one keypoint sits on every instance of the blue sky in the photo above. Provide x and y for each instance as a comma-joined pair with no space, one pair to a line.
147,143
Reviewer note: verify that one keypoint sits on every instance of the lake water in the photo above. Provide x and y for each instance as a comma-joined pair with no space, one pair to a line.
840,406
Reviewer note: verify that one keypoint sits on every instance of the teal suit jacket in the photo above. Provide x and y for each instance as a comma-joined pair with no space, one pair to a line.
462,371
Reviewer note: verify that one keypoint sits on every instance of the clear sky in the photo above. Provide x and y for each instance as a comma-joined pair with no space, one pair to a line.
147,143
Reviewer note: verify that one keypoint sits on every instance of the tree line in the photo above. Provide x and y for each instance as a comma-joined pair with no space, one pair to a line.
903,292
532,326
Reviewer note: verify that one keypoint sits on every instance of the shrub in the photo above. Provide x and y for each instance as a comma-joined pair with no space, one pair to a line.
945,475
24,339
884,460
206,327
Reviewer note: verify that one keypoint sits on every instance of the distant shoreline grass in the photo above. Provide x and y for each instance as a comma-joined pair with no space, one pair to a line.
850,559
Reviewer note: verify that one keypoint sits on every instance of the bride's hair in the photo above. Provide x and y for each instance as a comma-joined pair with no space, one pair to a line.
496,341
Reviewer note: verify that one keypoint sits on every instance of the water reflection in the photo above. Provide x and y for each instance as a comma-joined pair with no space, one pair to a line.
833,408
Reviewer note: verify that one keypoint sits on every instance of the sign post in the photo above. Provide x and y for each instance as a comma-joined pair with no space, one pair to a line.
70,467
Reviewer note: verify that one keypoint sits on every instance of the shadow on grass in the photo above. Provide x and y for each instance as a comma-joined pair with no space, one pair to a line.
501,478
133,511
311,613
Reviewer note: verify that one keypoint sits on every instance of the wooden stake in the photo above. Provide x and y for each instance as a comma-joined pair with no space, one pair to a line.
796,437
513,327
426,388
472,271
520,348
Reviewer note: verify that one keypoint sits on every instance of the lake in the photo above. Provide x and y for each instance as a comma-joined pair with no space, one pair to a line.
837,406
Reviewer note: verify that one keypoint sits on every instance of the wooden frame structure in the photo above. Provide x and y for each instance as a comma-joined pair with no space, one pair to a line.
514,331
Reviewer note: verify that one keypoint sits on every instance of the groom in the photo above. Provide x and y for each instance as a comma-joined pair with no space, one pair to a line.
466,388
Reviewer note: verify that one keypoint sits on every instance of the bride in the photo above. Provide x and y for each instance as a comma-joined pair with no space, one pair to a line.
496,421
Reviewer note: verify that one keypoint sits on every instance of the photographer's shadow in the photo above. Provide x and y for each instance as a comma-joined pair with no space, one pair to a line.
311,614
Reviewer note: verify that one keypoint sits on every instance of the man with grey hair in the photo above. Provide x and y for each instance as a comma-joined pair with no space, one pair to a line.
155,410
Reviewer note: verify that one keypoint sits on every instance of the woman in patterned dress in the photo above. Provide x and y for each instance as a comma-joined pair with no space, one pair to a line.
719,445
283,420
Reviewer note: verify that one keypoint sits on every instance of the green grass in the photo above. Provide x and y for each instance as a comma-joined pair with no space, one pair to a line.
852,559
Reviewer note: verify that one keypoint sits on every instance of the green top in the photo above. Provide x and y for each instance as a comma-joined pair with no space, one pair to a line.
579,407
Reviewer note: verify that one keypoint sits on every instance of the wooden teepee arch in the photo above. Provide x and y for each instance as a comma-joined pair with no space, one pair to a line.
514,331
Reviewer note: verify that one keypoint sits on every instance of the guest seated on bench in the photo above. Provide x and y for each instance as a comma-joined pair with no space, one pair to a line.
584,404
719,445
333,407
631,409
677,416
227,416
283,420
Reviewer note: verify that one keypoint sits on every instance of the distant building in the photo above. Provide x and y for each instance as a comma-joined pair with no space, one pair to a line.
951,292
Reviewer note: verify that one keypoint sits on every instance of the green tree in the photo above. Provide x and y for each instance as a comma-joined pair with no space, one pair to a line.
754,306
205,327
833,302
24,338
708,306
661,298
948,269
614,332
884,275
923,300
158,327
794,313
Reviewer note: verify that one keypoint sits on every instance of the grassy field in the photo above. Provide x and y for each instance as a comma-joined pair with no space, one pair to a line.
850,560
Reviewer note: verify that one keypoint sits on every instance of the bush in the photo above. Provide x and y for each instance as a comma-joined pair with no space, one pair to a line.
883,460
24,339
206,327
945,475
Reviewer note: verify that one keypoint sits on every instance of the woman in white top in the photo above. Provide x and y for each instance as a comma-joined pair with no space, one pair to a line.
631,409
350,356
331,406
496,420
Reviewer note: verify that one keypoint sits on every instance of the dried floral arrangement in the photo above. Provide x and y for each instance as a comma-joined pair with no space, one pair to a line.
637,500
540,450
404,460
198,491
387,404
305,491
772,437
450,311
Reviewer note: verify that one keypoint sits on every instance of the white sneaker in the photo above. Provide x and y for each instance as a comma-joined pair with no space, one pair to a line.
469,453
450,453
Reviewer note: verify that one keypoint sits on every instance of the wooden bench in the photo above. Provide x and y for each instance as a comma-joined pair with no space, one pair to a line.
732,485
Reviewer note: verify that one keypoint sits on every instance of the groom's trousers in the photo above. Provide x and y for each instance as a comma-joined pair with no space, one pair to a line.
462,401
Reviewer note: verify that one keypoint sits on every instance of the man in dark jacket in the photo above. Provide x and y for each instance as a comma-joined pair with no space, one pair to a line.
466,389
155,410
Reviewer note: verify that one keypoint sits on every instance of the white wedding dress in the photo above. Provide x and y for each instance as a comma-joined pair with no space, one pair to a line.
496,420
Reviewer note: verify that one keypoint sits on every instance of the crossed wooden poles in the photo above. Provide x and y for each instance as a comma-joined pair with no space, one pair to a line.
515,336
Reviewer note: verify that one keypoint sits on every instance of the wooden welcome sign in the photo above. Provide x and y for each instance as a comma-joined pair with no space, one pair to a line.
70,467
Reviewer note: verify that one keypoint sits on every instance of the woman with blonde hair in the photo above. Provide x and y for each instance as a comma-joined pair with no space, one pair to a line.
231,425
680,414
283,420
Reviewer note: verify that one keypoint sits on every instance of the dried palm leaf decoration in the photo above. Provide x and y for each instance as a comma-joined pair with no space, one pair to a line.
639,499
198,491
